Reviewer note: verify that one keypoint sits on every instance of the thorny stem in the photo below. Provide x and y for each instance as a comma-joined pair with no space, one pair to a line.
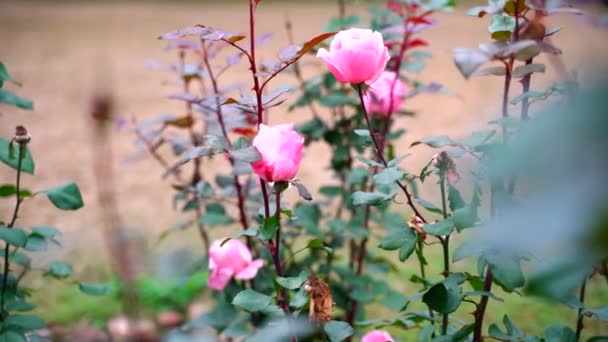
220,118
479,313
277,254
579,321
274,250
20,155
380,155
525,103
445,244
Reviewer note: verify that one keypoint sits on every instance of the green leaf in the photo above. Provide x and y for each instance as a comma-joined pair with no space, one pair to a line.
252,301
428,206
251,231
407,249
313,129
388,176
601,314
455,198
27,164
95,289
13,236
11,336
26,322
559,333
371,198
338,331
501,23
527,69
464,217
36,242
318,244
435,142
7,190
368,161
65,197
47,232
331,191
15,100
248,154
397,238
528,95
60,270
443,227
442,299
337,98
19,305
269,227
5,76
293,283
506,271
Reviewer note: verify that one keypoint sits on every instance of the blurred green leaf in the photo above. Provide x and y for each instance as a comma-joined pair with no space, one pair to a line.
95,289
443,227
371,198
252,301
13,236
293,283
15,100
60,270
388,176
7,190
338,331
506,271
559,333
65,197
25,322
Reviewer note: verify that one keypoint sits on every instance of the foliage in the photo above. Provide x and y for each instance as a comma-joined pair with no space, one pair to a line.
17,323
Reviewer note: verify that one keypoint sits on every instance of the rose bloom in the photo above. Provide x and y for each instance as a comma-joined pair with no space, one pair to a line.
281,150
233,259
377,100
377,336
356,56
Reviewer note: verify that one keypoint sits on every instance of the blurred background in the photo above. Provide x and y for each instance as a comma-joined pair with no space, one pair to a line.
62,50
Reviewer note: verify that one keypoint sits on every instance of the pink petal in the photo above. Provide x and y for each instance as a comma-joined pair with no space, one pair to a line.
250,271
219,278
357,66
377,336
333,67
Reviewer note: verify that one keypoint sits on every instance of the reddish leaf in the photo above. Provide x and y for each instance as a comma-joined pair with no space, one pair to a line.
419,20
309,45
183,122
416,43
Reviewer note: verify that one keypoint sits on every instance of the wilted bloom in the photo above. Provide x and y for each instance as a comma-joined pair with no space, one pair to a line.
233,259
356,56
377,336
442,161
281,150
378,97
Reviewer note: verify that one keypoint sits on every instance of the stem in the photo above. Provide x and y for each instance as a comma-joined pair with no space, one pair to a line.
380,155
579,321
254,70
445,244
20,154
276,255
505,96
480,312
525,103
220,118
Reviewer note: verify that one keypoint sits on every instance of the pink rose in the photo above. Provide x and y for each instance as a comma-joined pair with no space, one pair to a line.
356,56
281,150
377,336
378,97
233,259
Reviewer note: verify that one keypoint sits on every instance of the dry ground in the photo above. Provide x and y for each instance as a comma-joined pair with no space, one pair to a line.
59,51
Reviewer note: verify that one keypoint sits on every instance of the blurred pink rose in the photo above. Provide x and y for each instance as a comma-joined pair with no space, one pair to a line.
281,150
377,336
356,56
378,97
233,259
